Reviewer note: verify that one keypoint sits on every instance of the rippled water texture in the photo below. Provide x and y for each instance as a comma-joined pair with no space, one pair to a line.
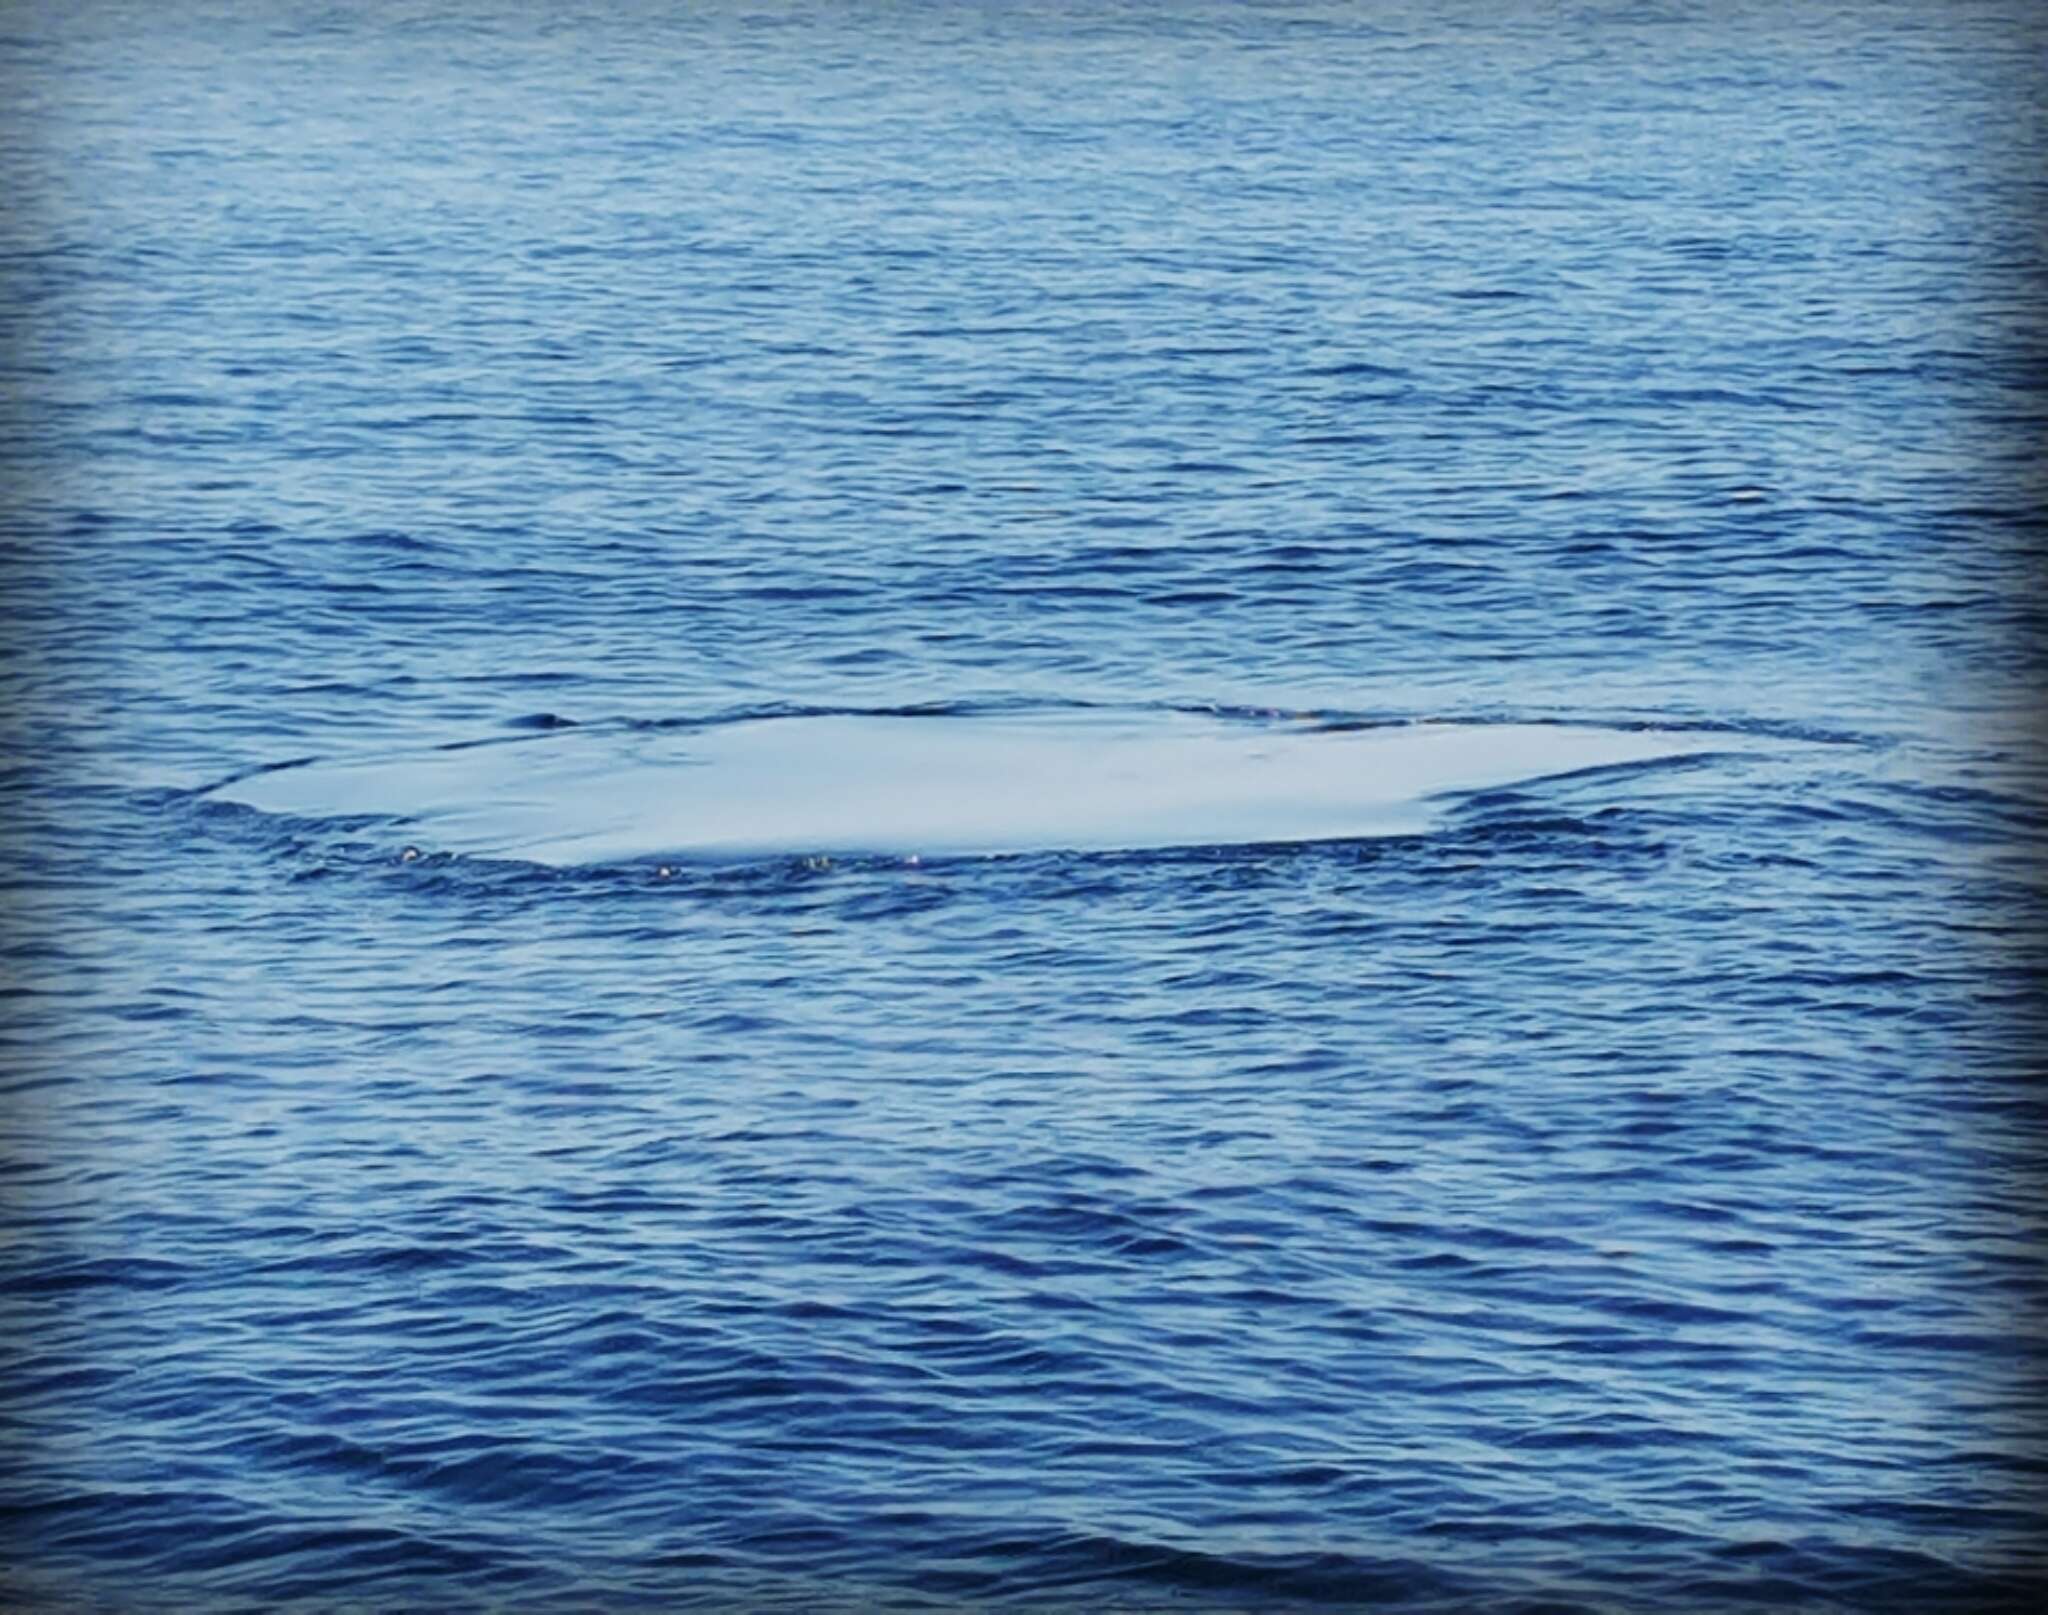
1474,570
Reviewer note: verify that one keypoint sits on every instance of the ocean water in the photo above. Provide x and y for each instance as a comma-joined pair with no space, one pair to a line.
1071,807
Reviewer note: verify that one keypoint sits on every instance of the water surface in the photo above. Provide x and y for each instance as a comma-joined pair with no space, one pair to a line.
1477,566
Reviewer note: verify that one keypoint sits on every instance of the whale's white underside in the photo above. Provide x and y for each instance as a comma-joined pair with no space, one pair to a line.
937,786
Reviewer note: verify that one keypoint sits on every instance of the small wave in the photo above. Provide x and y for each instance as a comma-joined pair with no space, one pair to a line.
1113,1567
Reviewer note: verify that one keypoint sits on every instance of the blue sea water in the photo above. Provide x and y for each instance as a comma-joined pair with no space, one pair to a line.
1614,1190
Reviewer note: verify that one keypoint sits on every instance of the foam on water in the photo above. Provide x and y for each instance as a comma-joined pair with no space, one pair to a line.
947,785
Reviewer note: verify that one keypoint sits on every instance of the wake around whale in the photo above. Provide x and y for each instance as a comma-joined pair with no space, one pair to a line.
934,786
